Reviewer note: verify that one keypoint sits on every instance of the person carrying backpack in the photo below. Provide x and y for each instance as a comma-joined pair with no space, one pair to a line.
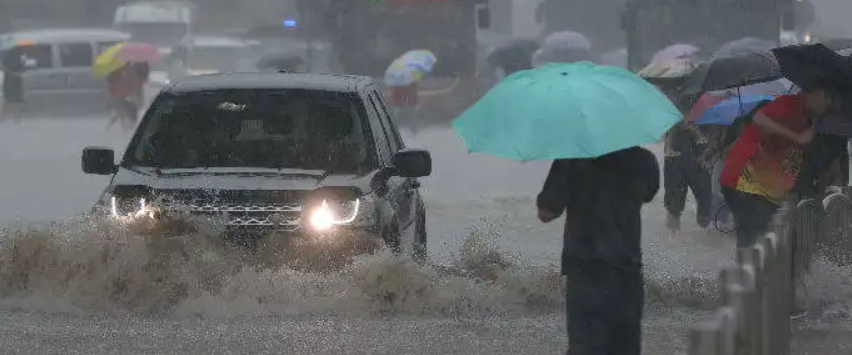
763,164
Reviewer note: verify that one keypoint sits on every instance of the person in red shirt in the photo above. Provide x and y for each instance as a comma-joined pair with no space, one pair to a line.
764,163
125,87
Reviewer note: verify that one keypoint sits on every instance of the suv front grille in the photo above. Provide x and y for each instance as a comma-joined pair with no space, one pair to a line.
279,216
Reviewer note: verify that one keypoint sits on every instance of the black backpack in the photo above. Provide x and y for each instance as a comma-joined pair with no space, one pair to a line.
736,128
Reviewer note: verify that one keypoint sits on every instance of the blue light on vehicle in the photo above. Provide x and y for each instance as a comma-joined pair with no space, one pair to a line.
289,23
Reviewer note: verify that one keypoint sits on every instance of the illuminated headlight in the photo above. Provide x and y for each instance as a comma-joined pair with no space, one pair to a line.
129,209
327,215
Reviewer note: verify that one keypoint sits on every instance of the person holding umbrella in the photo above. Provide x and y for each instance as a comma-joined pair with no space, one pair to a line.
402,77
13,80
125,68
683,145
599,180
764,163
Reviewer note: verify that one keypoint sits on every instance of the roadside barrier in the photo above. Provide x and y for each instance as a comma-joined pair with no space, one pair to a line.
758,292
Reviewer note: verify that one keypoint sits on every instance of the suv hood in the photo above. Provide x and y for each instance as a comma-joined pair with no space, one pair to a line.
239,179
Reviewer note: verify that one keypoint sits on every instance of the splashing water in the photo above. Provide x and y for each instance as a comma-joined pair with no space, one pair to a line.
97,266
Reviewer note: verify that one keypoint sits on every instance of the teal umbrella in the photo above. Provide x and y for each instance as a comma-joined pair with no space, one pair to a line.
560,111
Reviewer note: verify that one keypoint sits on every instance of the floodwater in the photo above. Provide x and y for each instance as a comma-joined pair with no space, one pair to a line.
70,285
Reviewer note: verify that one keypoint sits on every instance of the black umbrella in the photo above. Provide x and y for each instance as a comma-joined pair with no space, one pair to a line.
839,124
513,55
814,64
752,68
732,71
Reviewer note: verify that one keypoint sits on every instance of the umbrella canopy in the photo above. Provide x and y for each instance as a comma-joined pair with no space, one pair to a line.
513,55
576,110
138,52
744,45
814,64
836,124
675,52
564,47
744,70
567,40
410,68
676,68
669,76
732,71
725,112
107,63
115,57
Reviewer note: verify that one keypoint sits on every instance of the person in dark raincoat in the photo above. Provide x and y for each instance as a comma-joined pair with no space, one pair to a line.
826,160
13,83
683,171
602,257
683,146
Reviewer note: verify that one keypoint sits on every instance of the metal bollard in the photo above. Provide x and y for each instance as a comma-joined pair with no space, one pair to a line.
772,288
706,338
737,288
749,262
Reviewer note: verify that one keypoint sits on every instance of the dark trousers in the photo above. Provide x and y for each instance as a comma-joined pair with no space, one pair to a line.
681,174
604,310
752,214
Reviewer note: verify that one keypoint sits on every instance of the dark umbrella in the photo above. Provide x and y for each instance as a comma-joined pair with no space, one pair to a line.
732,71
836,124
513,55
745,69
806,65
744,45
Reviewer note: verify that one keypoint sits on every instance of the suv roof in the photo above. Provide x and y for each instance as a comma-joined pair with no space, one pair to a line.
328,82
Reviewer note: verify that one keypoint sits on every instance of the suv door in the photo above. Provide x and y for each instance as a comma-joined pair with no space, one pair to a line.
396,194
405,186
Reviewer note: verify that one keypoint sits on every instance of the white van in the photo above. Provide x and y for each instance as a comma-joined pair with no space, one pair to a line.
59,75
164,24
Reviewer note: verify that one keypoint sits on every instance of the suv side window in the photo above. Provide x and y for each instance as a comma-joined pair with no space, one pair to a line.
76,55
394,137
383,147
39,57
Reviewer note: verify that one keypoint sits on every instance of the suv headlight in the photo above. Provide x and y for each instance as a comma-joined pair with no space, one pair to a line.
329,214
127,209
127,203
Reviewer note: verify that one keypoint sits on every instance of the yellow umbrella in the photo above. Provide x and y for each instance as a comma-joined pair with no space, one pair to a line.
106,63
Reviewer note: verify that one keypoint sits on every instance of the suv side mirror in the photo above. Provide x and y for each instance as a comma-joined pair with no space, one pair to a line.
98,161
483,17
412,163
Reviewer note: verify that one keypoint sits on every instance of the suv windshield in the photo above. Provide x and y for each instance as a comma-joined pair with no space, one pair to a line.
255,128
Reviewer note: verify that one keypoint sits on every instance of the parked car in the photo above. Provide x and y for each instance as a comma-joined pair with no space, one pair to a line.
59,69
278,155
211,55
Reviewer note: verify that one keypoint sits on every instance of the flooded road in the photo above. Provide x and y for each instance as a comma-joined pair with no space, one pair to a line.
80,287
